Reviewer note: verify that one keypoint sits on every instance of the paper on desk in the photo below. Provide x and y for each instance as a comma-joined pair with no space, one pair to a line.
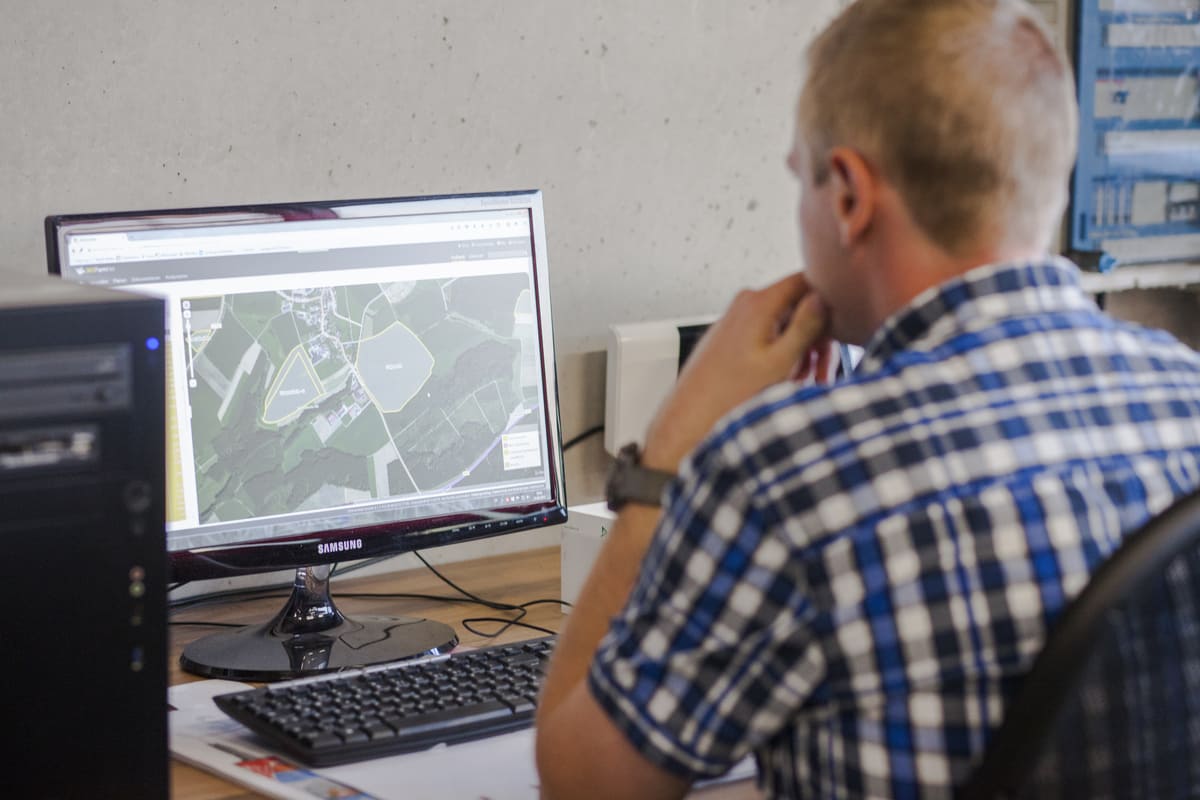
496,768
203,736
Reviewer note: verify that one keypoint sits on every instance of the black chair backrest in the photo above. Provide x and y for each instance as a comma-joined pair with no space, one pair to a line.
1111,706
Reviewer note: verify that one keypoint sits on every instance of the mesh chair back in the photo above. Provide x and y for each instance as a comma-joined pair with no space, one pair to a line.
1111,707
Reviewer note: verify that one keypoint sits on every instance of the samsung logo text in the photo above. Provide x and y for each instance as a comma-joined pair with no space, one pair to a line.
343,546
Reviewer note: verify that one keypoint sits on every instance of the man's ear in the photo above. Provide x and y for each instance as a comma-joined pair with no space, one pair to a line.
854,194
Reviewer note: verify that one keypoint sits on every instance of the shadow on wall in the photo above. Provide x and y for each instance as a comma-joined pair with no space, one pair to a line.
1173,310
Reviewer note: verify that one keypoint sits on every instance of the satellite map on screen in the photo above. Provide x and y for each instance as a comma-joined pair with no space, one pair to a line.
314,398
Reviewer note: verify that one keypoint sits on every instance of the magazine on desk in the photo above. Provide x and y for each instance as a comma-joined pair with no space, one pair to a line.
496,768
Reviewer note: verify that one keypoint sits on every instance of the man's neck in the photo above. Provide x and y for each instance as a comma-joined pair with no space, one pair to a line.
907,263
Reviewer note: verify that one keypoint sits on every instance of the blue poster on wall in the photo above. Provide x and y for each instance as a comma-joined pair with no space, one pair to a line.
1135,196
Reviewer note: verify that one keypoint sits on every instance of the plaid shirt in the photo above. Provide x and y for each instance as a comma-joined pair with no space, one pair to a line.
850,581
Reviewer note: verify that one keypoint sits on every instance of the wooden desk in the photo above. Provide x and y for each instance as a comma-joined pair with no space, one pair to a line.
515,578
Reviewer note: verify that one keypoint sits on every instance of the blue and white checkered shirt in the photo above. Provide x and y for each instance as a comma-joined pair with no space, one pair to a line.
850,581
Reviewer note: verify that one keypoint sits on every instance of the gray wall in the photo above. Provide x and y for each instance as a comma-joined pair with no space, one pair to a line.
656,129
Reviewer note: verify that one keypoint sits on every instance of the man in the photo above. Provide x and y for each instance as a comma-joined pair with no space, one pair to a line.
849,581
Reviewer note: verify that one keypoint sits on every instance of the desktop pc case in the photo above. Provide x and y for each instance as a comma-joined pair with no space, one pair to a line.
83,652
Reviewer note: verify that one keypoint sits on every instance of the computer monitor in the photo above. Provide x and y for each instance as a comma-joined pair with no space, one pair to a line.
345,380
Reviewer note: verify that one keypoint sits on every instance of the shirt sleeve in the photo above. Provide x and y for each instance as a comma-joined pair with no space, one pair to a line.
714,652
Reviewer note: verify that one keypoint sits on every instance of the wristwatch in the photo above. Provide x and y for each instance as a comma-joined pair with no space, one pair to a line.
630,482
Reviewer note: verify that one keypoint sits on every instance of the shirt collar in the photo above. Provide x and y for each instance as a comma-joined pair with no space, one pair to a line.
975,299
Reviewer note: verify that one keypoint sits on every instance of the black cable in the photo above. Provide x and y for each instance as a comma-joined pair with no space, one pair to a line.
592,431
498,606
268,592
508,623
521,609
467,623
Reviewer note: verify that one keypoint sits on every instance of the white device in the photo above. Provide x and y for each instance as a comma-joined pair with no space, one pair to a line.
643,362
644,359
583,533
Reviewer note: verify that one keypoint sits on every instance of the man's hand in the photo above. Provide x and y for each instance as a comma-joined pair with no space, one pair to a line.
766,336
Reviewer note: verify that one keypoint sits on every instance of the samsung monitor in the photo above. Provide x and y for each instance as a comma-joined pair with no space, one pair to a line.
345,380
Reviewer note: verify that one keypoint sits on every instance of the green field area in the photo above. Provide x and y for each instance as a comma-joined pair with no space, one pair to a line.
363,436
243,450
423,308
262,454
205,404
436,454
328,367
267,493
227,345
279,339
469,413
494,406
447,341
353,300
256,311
441,438
327,468
209,486
345,332
398,481
303,441
480,299
232,509
378,317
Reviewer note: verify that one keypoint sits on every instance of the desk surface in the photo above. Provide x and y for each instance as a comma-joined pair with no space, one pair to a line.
513,578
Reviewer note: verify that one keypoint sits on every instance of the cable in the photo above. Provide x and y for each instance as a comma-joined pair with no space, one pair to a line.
592,431
521,609
474,597
505,624
469,623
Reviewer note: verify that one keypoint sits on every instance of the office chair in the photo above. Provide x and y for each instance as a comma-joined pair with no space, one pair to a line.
1111,706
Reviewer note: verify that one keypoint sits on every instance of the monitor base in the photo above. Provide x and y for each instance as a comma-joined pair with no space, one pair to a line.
310,636
256,653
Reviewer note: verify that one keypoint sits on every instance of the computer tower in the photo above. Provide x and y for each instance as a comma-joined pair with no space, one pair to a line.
83,650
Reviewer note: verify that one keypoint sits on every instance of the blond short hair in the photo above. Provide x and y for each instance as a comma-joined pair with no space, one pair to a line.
966,106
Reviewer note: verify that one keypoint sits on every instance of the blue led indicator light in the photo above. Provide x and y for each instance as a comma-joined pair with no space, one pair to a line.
152,343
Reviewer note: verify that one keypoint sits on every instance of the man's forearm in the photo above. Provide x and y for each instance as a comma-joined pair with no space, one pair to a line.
580,752
603,595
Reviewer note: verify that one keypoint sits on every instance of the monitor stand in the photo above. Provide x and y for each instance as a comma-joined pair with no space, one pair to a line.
310,636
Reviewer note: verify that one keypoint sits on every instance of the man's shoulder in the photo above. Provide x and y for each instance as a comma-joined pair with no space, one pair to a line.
787,427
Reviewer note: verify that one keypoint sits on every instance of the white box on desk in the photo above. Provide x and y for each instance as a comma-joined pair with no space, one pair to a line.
582,535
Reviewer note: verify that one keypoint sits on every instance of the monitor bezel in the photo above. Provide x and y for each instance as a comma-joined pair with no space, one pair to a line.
398,536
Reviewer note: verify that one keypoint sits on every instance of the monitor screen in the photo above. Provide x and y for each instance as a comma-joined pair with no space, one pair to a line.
346,379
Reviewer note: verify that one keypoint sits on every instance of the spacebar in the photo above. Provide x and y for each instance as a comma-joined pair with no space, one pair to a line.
453,721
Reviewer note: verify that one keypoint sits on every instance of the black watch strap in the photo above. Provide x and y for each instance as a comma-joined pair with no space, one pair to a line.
630,482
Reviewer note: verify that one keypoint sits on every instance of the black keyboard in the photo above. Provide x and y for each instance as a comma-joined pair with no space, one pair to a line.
399,707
